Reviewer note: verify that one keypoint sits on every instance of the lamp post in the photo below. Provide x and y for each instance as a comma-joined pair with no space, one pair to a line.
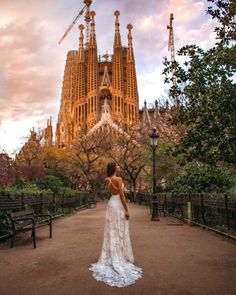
154,137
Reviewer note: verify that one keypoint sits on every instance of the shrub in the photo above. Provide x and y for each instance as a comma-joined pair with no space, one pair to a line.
200,177
51,182
28,188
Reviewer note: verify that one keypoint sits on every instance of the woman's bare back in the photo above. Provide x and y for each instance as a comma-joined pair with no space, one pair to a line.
113,184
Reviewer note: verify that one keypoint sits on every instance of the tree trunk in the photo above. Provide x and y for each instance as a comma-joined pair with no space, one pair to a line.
134,189
130,189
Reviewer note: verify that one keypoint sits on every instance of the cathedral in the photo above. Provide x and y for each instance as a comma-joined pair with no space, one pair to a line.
90,80
102,90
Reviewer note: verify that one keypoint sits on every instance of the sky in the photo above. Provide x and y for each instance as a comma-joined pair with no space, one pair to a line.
32,62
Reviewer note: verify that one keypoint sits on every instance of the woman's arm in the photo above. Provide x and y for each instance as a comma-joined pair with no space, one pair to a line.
122,196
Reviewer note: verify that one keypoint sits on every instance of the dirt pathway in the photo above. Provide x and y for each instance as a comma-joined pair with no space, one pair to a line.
176,259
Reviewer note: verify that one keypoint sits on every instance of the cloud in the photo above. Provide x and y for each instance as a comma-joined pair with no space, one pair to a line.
32,62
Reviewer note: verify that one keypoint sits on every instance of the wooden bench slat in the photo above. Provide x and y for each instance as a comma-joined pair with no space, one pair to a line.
21,214
23,225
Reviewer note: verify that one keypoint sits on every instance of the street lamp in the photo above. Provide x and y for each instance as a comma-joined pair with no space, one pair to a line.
154,137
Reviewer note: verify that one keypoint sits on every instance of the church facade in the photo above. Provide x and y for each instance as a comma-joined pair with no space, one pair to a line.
90,80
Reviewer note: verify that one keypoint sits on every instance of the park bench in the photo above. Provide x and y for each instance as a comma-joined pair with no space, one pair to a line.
27,221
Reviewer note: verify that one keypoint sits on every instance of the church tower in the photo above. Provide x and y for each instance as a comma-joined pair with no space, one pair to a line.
131,97
68,96
117,75
80,104
90,81
92,77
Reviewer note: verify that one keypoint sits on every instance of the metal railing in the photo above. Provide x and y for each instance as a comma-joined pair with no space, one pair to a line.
53,204
216,210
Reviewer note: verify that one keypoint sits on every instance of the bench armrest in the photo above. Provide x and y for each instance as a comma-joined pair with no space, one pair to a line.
44,215
23,218
14,222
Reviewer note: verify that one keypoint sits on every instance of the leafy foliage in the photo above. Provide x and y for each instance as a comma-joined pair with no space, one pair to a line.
7,169
200,178
168,167
51,182
207,92
27,188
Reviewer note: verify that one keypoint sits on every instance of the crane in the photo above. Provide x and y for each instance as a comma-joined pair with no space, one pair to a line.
87,4
171,48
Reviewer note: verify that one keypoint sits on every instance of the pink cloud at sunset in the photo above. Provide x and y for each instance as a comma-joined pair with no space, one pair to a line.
32,62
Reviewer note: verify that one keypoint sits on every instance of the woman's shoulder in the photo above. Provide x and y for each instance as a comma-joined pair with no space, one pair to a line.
118,178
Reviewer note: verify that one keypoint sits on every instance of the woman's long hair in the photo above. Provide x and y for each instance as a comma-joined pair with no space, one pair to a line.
111,168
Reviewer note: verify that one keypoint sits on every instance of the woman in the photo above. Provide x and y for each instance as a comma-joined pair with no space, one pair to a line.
116,266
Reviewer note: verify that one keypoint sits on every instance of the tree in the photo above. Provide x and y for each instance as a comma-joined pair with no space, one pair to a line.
7,169
128,153
207,91
167,165
86,159
28,160
200,178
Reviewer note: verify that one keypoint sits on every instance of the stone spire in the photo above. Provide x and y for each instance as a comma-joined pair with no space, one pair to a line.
92,76
81,66
156,113
146,121
92,58
48,134
117,39
117,73
68,98
130,52
131,81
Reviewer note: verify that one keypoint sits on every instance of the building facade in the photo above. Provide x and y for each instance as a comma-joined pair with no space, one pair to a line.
89,80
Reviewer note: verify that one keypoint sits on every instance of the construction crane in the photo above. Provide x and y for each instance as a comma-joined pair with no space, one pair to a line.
171,48
87,4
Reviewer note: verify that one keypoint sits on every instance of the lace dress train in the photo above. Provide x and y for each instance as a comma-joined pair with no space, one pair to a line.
115,266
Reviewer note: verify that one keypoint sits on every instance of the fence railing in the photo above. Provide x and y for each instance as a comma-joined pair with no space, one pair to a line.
217,211
40,204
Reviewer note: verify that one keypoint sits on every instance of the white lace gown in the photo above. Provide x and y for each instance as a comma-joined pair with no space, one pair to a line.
115,266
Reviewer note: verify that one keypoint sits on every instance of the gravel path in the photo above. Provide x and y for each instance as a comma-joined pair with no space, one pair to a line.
176,259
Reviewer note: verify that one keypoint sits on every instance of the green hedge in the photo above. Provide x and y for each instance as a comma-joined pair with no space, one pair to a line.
200,178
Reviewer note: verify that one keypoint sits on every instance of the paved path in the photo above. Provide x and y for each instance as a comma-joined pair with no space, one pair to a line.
176,259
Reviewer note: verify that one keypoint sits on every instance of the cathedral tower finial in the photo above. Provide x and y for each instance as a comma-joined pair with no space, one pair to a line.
130,55
93,13
117,13
117,41
81,37
129,27
92,42
81,42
